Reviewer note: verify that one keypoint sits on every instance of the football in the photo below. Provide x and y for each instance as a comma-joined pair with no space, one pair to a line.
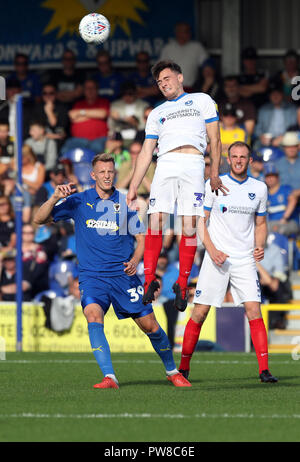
94,28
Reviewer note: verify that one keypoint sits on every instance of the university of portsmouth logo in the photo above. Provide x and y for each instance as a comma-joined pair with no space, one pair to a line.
223,208
162,120
251,196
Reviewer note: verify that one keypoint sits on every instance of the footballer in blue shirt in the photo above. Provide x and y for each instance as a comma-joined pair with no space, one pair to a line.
109,244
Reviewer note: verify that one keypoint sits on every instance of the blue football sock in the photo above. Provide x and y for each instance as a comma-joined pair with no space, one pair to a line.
161,345
100,347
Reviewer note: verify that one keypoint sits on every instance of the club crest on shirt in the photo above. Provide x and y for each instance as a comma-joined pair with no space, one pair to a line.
198,293
117,207
152,202
251,196
189,102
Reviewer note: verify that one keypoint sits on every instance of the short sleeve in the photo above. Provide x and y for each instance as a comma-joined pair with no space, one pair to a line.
151,129
65,210
209,109
262,206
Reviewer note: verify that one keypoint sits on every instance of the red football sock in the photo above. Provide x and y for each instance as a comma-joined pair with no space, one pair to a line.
187,250
190,339
260,342
153,245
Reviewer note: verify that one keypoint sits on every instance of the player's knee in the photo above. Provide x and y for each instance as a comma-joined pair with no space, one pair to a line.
189,226
253,310
148,325
93,314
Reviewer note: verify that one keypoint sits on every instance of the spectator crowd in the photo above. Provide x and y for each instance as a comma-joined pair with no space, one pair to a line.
71,114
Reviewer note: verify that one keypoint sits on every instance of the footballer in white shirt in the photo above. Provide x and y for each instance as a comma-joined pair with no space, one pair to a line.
179,128
234,240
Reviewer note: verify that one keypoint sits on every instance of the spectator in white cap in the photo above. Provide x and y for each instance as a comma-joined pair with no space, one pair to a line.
289,165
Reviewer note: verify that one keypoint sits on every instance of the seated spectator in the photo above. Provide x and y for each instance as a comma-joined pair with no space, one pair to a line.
125,173
274,282
127,113
115,146
7,225
256,166
53,115
290,70
230,132
33,171
68,80
282,217
6,152
289,165
57,176
189,54
8,279
253,81
44,148
8,108
88,118
6,146
126,169
35,260
147,88
245,109
167,271
29,80
109,80
209,81
274,117
140,134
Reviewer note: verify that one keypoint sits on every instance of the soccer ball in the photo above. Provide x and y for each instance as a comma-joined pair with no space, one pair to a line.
94,28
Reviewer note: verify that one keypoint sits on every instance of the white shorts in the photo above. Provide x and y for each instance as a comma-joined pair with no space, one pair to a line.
213,282
178,179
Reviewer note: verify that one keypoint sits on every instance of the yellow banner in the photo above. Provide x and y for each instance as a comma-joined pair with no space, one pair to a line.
122,335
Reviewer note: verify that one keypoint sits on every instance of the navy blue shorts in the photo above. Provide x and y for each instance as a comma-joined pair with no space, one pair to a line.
123,292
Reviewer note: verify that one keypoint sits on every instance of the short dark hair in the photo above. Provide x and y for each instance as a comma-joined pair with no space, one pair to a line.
21,55
103,157
161,65
239,144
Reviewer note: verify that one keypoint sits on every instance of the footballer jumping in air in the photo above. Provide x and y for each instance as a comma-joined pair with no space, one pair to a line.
179,127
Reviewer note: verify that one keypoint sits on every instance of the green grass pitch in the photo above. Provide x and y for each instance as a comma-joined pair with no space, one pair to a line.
49,397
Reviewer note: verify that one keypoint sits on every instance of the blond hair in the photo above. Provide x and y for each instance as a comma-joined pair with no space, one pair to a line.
103,157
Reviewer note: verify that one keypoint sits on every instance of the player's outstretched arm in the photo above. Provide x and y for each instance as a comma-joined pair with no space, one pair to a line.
43,215
213,133
142,164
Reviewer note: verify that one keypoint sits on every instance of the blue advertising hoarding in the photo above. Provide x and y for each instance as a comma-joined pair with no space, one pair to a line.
42,29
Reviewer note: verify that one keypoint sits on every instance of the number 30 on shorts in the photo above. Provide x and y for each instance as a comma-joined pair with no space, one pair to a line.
135,293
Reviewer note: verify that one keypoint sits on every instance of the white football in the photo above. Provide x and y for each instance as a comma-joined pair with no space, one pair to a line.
94,28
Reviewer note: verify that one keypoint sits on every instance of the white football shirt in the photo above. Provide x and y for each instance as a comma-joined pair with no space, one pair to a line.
232,217
182,121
